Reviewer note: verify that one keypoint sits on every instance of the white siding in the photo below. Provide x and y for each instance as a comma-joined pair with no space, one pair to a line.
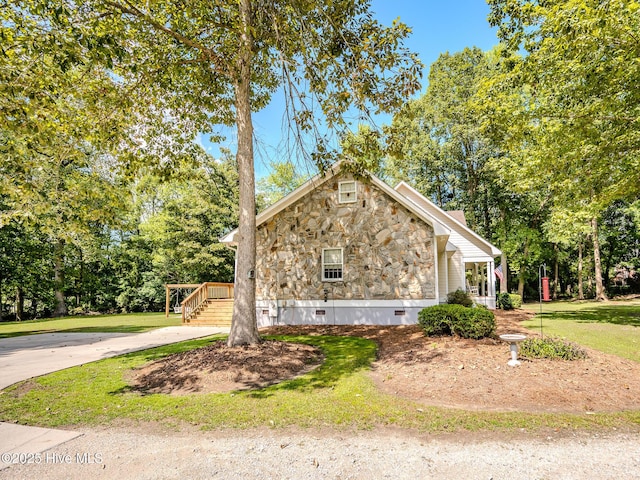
456,272
443,276
472,247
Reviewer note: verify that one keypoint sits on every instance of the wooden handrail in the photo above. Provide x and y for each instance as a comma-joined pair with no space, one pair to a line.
204,292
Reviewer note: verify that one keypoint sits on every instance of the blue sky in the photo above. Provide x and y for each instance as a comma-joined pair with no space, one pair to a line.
438,26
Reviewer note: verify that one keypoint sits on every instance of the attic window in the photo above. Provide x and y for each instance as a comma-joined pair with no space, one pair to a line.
347,192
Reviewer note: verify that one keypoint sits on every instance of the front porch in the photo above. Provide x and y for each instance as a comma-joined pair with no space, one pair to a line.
480,281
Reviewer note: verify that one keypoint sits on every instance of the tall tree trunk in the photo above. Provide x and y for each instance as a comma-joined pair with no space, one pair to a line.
521,273
34,308
504,287
244,324
580,267
521,283
600,293
19,304
60,309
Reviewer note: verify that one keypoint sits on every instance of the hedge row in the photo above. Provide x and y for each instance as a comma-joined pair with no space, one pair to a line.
458,320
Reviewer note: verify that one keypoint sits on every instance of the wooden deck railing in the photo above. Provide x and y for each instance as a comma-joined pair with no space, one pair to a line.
206,291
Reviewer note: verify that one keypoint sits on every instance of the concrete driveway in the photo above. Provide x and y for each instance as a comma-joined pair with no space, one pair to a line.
30,356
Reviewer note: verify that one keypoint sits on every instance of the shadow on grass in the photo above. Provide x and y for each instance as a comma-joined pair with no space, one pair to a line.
343,356
98,329
616,315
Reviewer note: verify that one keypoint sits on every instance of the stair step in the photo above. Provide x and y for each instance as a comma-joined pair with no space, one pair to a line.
213,312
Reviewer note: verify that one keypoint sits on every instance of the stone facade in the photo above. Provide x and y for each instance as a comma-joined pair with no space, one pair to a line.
388,252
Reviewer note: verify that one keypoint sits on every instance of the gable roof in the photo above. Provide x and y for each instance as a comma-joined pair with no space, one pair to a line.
440,229
461,233
450,228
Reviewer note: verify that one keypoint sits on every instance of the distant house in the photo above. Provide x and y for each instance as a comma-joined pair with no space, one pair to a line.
344,250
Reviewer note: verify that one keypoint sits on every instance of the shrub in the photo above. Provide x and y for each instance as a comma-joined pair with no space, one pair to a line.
459,297
474,323
552,348
504,301
437,320
457,320
516,300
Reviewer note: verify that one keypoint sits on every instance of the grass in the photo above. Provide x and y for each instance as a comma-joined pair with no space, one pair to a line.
339,394
611,327
131,323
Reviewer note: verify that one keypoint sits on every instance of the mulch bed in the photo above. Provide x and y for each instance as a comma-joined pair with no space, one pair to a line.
438,371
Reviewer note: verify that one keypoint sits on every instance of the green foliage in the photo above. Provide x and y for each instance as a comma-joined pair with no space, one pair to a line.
459,297
567,110
516,300
504,301
475,323
437,320
283,179
551,348
436,141
458,320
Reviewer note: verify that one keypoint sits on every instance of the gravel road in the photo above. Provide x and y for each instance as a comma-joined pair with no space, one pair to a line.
274,454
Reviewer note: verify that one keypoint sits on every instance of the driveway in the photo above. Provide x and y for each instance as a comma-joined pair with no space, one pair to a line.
30,356
34,355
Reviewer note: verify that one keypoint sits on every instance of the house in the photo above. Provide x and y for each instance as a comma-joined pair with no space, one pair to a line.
347,250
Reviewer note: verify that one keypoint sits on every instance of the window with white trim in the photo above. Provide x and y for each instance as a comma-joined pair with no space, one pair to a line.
347,192
332,264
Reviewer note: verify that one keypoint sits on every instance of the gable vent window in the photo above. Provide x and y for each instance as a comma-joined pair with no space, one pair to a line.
332,264
347,192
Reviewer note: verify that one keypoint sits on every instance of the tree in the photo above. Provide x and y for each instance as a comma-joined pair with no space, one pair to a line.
56,124
218,63
283,179
577,120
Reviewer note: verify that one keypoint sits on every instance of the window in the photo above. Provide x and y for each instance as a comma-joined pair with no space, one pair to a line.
331,264
347,192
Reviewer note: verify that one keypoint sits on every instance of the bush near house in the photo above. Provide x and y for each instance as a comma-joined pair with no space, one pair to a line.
459,297
504,301
466,322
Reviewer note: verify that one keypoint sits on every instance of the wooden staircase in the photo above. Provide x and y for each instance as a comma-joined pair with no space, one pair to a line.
214,313
210,304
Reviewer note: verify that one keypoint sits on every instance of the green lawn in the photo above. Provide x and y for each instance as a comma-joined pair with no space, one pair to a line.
339,394
611,327
132,323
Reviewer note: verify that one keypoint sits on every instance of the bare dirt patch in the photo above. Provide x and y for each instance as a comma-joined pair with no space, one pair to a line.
438,371
217,368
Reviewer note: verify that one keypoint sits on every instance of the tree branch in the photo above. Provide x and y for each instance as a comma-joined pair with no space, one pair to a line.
207,52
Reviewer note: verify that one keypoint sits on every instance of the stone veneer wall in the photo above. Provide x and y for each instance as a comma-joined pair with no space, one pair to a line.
388,251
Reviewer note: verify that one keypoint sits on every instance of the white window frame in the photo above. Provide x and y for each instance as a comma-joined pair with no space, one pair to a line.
334,266
347,194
